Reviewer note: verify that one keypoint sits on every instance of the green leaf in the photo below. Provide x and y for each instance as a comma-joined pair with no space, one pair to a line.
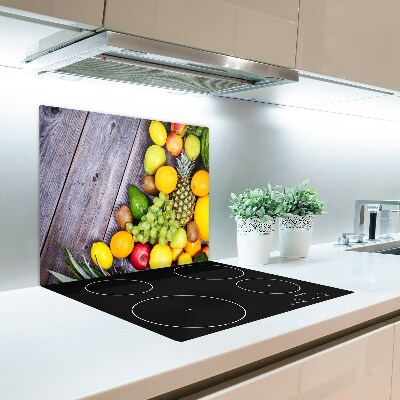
77,267
93,272
61,277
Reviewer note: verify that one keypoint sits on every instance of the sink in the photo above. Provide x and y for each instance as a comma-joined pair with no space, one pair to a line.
392,247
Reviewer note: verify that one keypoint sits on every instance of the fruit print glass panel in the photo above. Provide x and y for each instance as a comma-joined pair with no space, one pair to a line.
120,194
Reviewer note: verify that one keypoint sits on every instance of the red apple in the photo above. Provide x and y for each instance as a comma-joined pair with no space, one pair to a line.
174,144
179,129
140,256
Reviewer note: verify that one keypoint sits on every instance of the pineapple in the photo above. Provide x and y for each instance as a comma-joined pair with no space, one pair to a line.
183,199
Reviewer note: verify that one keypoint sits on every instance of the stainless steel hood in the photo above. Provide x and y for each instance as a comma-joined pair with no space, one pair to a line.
130,59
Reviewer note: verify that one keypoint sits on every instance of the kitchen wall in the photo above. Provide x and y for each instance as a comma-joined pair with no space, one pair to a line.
345,157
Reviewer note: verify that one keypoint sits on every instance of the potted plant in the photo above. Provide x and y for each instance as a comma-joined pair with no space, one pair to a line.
255,212
300,204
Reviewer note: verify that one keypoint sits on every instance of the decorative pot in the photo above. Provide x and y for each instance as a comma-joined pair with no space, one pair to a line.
295,235
254,240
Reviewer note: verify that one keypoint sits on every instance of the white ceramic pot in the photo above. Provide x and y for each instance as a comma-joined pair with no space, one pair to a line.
295,236
254,240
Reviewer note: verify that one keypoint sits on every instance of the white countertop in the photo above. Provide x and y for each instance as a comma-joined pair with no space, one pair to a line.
52,347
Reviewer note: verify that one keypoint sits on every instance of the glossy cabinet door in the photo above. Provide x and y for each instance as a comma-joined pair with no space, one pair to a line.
356,40
396,364
87,13
358,369
260,30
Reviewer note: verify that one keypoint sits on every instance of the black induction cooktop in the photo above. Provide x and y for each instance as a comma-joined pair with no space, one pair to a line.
194,300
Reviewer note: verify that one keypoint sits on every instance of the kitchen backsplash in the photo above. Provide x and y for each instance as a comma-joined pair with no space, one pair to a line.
346,158
120,194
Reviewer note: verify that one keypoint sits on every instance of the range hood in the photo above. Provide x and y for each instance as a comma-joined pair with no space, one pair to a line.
130,59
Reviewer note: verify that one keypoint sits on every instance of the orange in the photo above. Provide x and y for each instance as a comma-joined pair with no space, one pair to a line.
199,184
166,179
201,217
121,244
193,248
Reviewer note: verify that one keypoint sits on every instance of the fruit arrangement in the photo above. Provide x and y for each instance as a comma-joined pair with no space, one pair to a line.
167,219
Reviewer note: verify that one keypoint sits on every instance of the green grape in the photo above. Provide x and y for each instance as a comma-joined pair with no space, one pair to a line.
140,237
166,197
159,212
135,230
150,217
173,215
135,239
168,207
161,196
160,219
143,218
158,202
145,226
162,240
170,235
145,239
153,232
173,230
152,240
163,231
154,208
167,215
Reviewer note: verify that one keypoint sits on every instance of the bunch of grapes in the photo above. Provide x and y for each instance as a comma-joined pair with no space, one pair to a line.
158,225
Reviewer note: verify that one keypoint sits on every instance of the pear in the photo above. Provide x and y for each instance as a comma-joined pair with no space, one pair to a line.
154,158
192,147
179,240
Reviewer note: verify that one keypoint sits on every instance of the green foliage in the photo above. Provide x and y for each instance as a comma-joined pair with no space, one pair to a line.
264,204
301,200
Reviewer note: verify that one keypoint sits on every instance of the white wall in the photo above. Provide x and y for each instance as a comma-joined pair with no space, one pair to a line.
345,157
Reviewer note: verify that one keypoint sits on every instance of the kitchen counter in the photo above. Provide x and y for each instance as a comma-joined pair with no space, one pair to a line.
52,347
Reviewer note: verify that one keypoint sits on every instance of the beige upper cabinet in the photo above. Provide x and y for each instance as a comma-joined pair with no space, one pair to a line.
260,30
356,40
85,13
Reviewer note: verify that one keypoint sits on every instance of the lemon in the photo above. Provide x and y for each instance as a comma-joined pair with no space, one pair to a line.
101,255
158,133
201,217
185,258
160,256
166,179
176,253
199,184
121,244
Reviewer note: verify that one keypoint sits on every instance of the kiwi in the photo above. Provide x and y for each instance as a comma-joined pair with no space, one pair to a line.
149,185
123,215
192,231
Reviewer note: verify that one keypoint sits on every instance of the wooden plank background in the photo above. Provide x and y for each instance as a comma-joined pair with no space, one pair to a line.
87,162
86,203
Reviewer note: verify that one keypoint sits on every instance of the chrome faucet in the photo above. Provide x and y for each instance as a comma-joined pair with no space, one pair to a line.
359,212
359,209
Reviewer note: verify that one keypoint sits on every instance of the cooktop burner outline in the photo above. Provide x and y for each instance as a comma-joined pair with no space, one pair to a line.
200,305
190,309
119,279
266,291
241,273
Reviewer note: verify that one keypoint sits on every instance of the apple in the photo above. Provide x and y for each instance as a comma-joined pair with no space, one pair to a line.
140,256
174,144
179,129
